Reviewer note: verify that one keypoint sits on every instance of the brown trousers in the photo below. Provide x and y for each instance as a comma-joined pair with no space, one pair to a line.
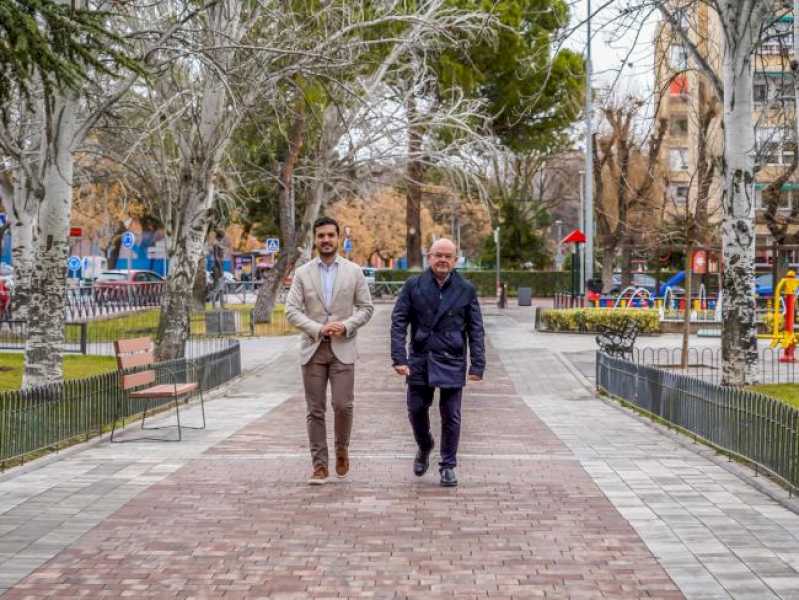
324,367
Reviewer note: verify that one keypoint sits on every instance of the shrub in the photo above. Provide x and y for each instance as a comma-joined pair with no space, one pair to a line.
587,319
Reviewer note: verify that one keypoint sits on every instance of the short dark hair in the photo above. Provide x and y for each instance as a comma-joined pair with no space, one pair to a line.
321,221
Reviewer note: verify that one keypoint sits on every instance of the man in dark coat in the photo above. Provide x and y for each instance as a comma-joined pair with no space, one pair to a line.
443,312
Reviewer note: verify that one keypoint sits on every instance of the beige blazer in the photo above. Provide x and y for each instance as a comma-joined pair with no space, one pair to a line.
351,304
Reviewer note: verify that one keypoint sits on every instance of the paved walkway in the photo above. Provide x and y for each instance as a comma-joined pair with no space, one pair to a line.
562,496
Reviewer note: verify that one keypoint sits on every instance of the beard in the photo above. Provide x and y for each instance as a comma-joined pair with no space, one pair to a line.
326,250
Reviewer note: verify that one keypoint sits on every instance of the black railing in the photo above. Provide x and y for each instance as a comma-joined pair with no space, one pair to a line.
705,363
96,336
566,300
745,424
44,418
83,303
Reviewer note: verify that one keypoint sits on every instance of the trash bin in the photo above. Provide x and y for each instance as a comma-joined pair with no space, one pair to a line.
525,296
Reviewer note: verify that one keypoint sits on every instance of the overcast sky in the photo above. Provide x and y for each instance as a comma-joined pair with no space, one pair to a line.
622,55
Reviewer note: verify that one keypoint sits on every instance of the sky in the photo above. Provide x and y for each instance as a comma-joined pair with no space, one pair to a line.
622,55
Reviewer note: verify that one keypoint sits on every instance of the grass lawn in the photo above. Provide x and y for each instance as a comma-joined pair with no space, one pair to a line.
75,367
784,392
145,323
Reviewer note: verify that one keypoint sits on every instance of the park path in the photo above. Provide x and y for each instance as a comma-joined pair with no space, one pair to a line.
238,521
562,495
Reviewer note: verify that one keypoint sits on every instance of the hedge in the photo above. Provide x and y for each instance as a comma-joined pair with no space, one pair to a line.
543,283
587,319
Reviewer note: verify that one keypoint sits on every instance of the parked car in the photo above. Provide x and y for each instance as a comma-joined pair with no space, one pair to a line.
226,275
121,285
369,273
7,277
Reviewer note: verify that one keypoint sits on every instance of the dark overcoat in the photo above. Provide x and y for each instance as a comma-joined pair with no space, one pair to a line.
446,326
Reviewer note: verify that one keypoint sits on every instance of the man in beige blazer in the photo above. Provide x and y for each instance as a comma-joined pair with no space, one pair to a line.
328,302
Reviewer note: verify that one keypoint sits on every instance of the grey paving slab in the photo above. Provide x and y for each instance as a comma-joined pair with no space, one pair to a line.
48,505
716,535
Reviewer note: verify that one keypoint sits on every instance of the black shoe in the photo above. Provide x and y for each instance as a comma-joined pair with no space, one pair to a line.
448,478
422,461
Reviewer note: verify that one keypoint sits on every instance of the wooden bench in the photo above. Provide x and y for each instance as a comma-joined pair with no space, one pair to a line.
618,341
133,356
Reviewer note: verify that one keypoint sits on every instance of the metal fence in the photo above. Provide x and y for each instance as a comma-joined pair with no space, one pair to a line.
90,302
566,300
705,363
44,418
96,336
745,424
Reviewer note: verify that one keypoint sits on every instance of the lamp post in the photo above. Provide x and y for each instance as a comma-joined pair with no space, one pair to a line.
588,224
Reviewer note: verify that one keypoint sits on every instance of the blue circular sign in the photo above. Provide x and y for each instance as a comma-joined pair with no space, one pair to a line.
128,239
74,263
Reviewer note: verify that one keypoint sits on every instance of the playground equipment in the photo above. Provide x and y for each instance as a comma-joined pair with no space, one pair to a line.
788,285
641,293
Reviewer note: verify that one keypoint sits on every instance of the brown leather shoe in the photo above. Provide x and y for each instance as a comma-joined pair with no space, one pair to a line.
319,476
342,463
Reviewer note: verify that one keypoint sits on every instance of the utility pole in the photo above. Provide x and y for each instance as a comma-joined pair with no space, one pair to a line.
496,243
588,217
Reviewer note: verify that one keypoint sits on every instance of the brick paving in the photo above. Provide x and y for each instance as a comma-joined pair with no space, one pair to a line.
239,521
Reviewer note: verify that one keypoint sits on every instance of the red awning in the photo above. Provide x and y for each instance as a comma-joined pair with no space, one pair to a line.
575,237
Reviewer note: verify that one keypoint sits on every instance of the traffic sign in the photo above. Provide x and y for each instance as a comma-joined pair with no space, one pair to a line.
76,232
347,246
272,245
128,239
74,263
3,219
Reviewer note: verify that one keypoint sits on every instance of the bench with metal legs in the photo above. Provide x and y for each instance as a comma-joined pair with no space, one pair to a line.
138,353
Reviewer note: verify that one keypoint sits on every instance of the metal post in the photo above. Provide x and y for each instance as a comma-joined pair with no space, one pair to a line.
496,242
589,161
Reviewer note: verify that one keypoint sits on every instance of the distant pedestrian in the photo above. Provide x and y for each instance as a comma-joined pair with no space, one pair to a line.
445,321
328,301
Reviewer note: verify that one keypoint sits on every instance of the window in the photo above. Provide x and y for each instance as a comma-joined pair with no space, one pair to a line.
775,87
775,146
760,92
679,126
678,159
778,38
678,57
788,199
678,194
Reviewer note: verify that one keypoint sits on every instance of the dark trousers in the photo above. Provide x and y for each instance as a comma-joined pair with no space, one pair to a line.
420,398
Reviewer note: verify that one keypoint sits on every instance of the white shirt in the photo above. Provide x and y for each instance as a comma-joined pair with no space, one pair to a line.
328,274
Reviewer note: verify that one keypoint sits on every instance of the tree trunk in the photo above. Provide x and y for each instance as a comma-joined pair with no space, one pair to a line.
608,262
173,325
200,287
739,316
267,294
626,259
115,246
415,172
23,243
44,346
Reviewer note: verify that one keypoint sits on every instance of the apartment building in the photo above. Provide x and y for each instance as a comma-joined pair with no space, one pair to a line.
685,97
